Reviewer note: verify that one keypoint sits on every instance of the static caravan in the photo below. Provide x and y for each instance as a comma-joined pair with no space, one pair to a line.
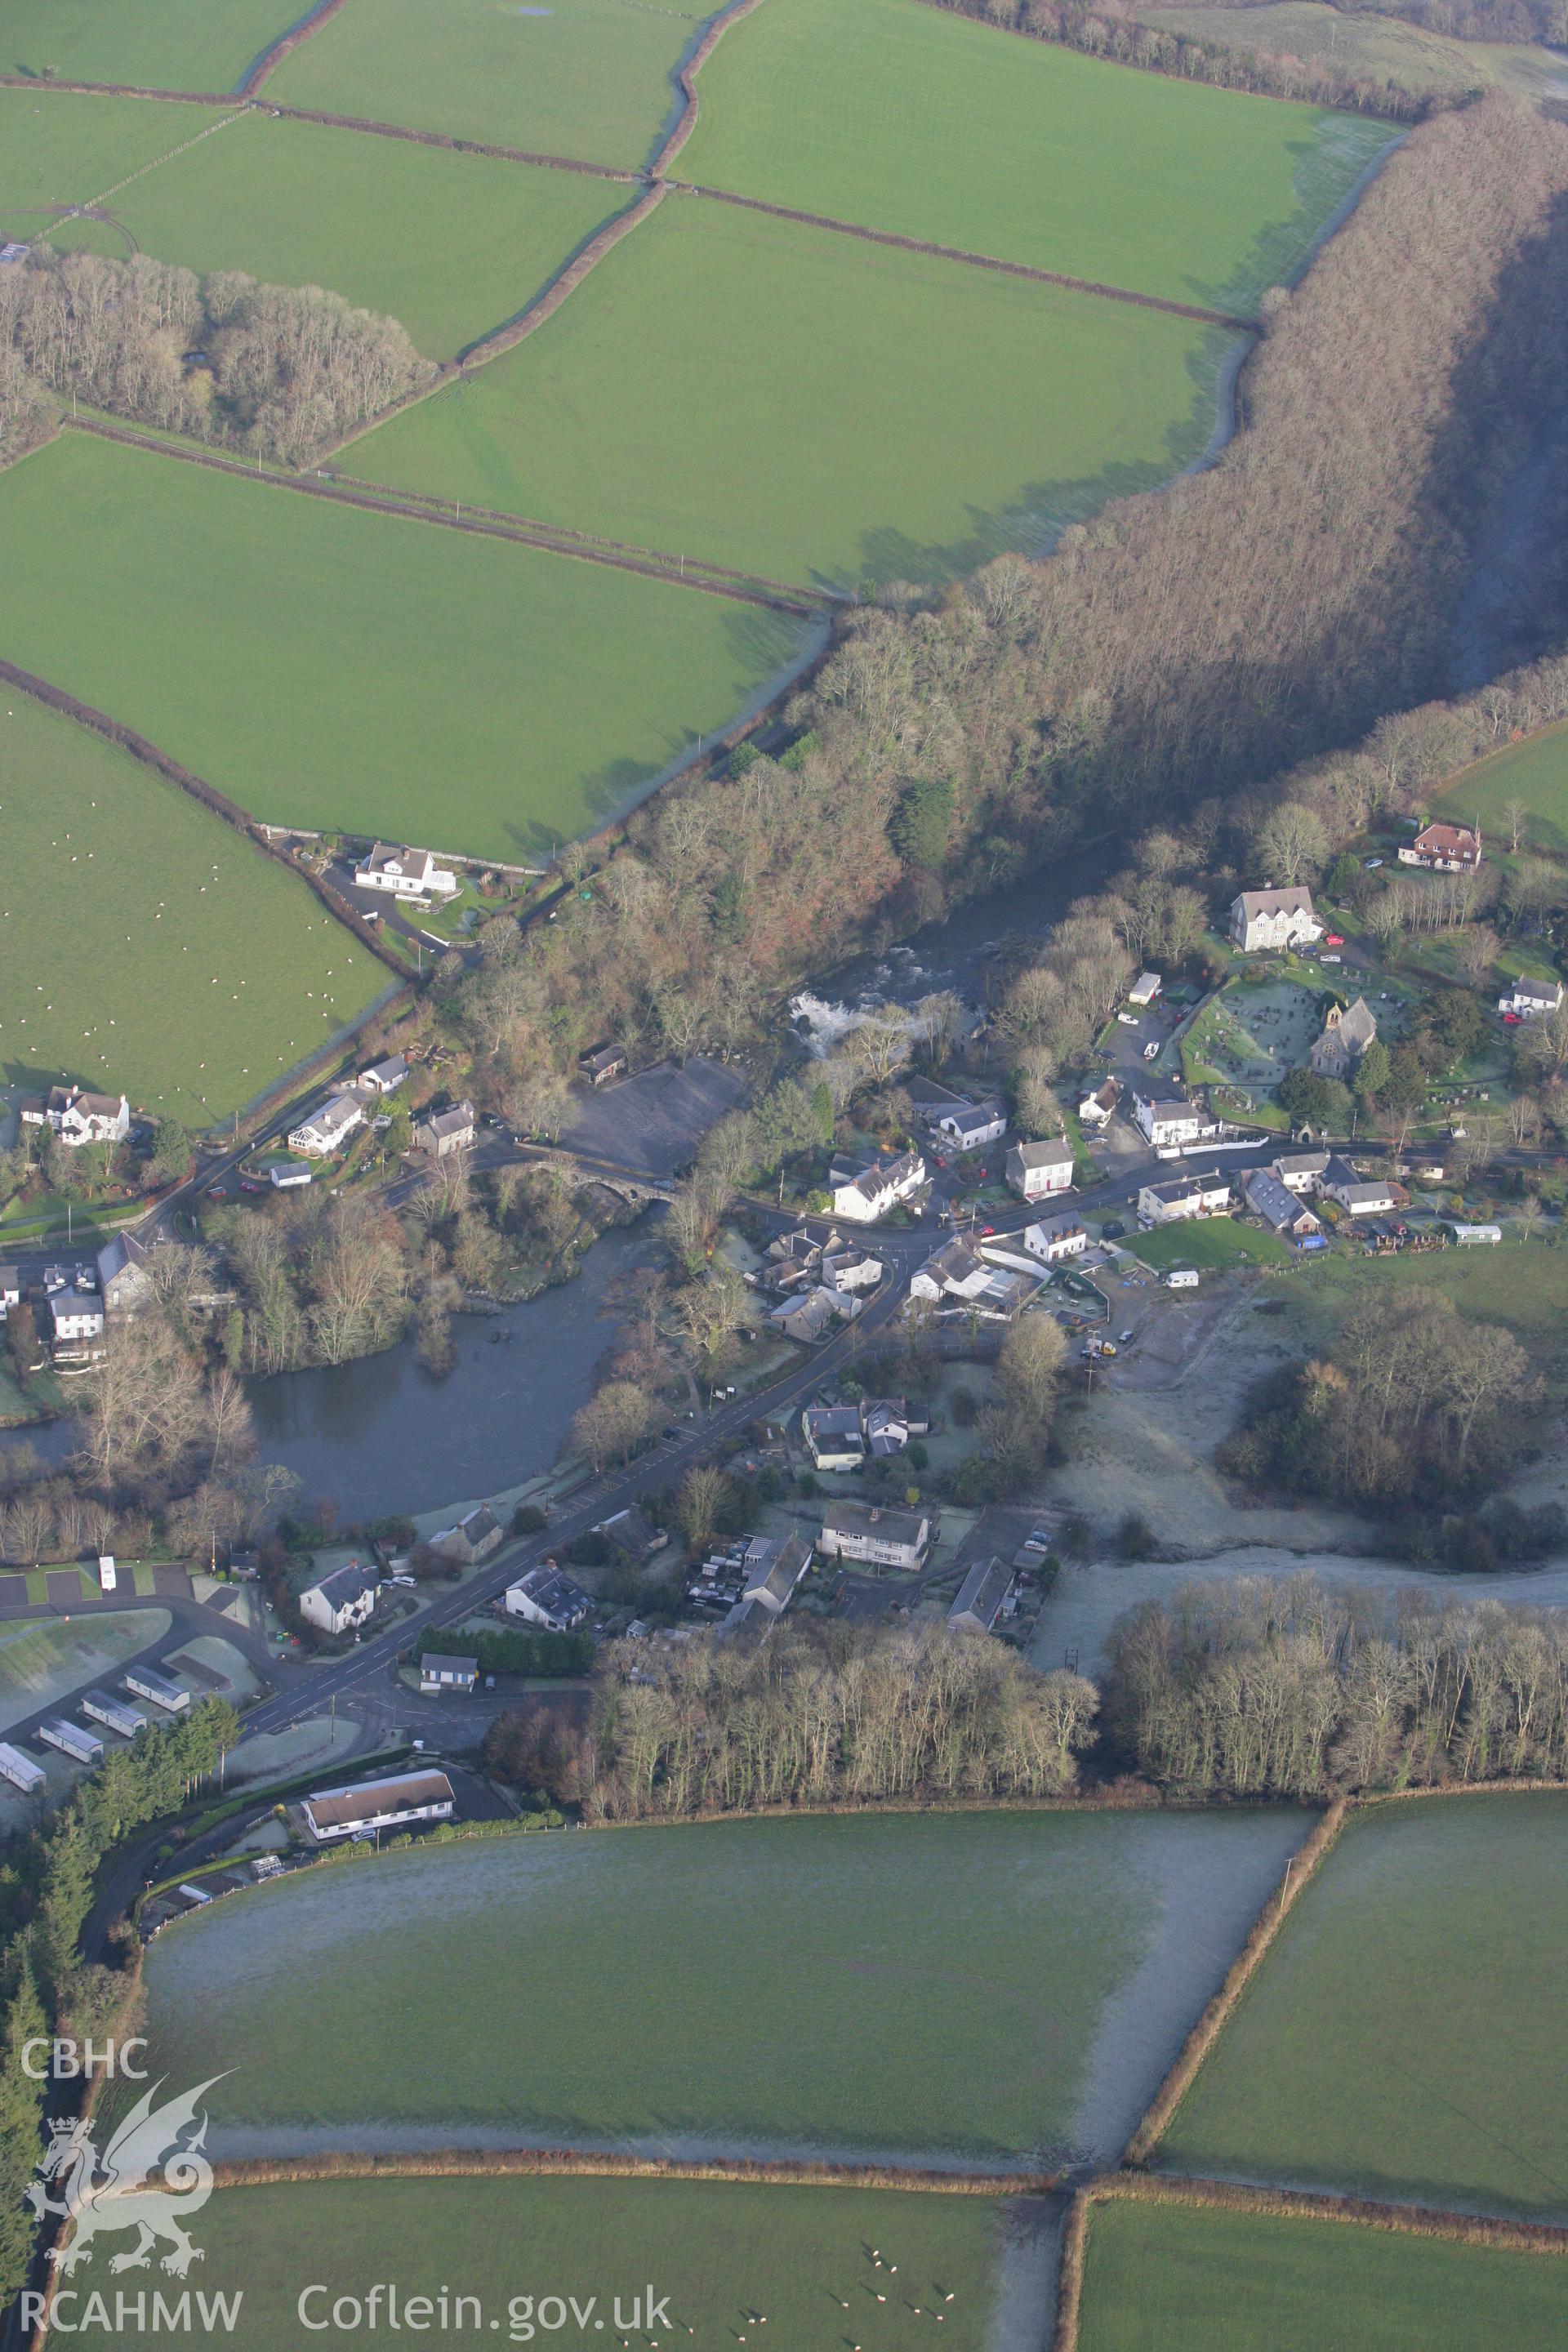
19,1770
108,1581
71,1740
1478,1236
142,1683
104,1708
1184,1279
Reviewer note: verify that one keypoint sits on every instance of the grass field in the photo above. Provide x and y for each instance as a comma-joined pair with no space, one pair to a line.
203,44
966,1983
329,667
192,972
39,1663
727,2260
1521,1283
451,244
1211,1242
904,117
795,401
1384,48
1166,2278
588,79
1534,771
57,149
1404,2037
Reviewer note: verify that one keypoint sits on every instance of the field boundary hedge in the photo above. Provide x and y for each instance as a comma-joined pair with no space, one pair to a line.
272,57
687,81
430,2164
1278,2205
617,172
974,260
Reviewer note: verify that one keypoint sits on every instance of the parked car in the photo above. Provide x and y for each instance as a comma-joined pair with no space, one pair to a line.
1124,1338
1112,1231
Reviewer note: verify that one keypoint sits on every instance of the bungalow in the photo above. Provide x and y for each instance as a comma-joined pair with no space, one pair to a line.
445,1131
327,1130
1280,1209
1274,918
833,1436
865,1191
10,1289
1094,1110
1530,999
285,1175
774,1565
124,1275
1348,1031
375,1805
982,1597
1184,1197
404,873
75,1316
341,1601
1299,1171
862,1531
438,1672
1037,1170
384,1077
956,1270
1358,1196
1444,849
1167,1117
472,1540
77,1116
1145,989
603,1066
547,1596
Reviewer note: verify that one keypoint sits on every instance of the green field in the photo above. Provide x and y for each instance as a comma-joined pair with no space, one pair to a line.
1521,1283
203,44
1404,2036
780,399
727,2261
328,666
971,1982
1168,2278
60,150
39,1663
1534,771
1382,48
191,970
588,79
451,244
903,117
1210,1241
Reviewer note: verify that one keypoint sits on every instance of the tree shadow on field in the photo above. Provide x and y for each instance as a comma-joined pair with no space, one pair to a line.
1281,251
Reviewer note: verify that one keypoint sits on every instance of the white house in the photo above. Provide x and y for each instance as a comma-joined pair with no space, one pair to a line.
78,1116
1036,1170
956,1270
982,1597
446,1131
1054,1238
968,1125
863,1192
861,1531
1167,1117
1274,918
1183,1198
439,1672
10,1289
547,1596
373,1805
1094,1110
1280,1209
1299,1171
339,1601
75,1315
405,874
833,1436
327,1130
774,1567
1530,999
1359,1196
384,1077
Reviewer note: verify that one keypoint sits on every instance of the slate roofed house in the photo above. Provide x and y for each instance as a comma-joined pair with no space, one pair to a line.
634,1537
1054,1238
850,1267
1359,1196
981,1597
473,1539
375,1805
340,1600
1444,849
10,1289
547,1596
1299,1171
809,1316
1035,1170
969,1125
884,1539
1531,1000
404,873
1184,1198
327,1130
956,1270
76,1317
438,1672
603,1066
1348,1031
384,1077
774,1567
1280,1210
1095,1108
1274,918
124,1280
864,1191
888,1426
1167,1117
444,1132
833,1436
78,1116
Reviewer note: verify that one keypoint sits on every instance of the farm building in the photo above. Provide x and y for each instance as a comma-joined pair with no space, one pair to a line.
439,1672
547,1596
865,1190
375,1805
1274,918
1184,1197
405,874
445,1131
341,1601
1037,1170
982,1597
328,1128
1444,849
863,1531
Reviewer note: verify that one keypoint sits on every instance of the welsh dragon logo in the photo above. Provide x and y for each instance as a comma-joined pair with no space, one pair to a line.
118,2191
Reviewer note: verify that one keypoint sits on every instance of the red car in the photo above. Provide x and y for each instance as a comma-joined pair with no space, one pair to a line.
1333,941
987,1229
1511,1020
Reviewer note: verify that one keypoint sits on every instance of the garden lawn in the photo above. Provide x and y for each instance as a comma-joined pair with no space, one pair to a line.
1169,2278
1210,1241
592,79
40,1663
331,668
972,1983
779,399
721,2256
201,45
450,245
1534,771
56,149
900,116
187,969
1404,2037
